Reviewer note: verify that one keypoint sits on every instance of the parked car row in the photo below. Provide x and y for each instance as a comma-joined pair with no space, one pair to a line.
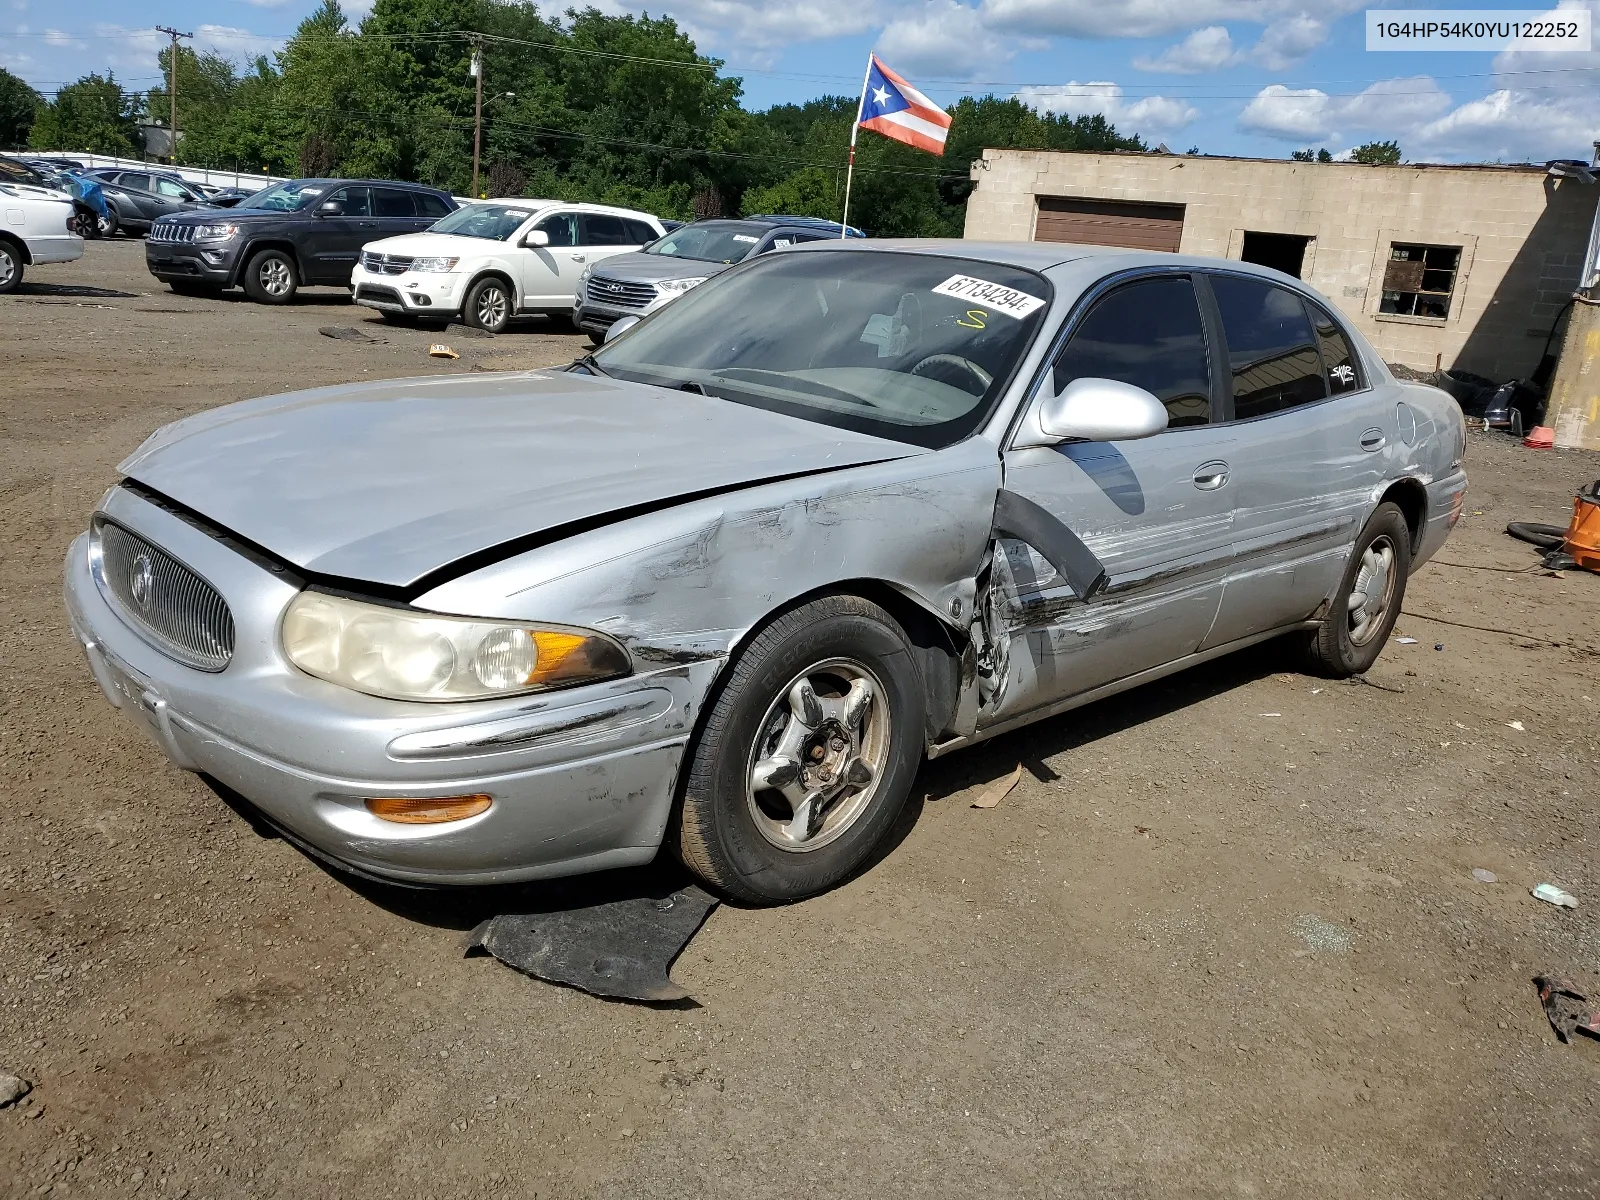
413,253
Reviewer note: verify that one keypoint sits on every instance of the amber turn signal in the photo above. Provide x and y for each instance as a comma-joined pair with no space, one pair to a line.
427,810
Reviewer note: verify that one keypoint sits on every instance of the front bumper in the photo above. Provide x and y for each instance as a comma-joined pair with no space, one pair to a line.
421,293
581,780
206,262
595,316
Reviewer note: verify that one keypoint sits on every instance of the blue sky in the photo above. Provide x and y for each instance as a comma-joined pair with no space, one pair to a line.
1252,77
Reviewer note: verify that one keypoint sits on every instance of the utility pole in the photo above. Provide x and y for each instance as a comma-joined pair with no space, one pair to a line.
477,121
172,89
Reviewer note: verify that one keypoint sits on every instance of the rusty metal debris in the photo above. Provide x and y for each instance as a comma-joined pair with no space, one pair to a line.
1566,1007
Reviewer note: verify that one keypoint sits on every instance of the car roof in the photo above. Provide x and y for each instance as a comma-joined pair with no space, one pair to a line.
399,183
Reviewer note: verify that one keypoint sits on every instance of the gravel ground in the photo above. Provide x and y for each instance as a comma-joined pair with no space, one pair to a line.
1222,940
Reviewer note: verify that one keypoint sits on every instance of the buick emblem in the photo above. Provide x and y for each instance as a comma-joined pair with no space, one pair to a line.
141,578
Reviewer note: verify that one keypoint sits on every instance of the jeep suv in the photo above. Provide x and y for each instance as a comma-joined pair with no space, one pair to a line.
294,234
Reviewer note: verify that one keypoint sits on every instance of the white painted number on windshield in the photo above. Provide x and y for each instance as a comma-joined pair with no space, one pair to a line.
992,296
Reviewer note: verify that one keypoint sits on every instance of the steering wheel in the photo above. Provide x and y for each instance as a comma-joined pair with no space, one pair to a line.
956,371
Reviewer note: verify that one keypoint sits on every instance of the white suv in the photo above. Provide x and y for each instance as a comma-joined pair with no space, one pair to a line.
36,226
493,259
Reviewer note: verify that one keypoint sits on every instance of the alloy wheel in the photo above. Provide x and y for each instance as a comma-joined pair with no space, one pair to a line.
8,269
492,308
275,278
819,756
1373,591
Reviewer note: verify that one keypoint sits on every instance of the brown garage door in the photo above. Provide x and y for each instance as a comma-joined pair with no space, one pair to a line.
1110,223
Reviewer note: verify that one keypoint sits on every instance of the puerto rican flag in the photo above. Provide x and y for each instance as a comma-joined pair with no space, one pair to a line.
894,108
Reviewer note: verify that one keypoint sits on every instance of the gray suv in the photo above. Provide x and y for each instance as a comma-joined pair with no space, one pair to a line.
632,285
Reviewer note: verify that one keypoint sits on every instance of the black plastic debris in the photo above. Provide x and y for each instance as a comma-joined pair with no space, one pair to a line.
1567,1008
344,333
622,949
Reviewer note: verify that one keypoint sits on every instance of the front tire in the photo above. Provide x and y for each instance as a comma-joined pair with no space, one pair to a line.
807,755
1364,611
271,278
489,305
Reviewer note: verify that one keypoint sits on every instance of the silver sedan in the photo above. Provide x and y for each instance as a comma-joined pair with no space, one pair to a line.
724,584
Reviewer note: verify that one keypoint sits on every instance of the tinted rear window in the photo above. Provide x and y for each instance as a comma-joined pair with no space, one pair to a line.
1271,353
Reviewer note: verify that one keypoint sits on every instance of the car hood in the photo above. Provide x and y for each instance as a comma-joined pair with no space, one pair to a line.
389,482
652,268
445,245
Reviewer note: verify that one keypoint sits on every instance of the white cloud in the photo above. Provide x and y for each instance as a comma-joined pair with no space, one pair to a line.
1142,18
1288,40
1509,126
945,39
267,3
57,40
1390,107
238,44
1298,114
1149,114
1208,49
764,29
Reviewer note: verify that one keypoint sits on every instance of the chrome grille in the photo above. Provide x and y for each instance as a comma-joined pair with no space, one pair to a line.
170,231
177,611
385,264
622,293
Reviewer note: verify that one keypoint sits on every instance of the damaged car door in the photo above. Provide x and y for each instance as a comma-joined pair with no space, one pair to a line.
1157,511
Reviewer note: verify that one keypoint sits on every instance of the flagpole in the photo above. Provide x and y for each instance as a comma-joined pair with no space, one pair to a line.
850,172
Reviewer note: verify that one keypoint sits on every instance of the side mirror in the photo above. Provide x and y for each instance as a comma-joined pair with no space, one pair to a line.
621,326
330,208
536,237
1099,410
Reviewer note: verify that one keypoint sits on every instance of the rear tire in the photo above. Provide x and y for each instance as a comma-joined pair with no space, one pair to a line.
107,224
10,268
271,278
806,756
1364,610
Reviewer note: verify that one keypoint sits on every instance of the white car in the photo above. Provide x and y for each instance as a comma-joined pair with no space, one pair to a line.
36,226
495,259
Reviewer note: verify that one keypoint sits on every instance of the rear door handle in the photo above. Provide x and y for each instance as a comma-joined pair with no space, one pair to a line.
1208,477
1373,439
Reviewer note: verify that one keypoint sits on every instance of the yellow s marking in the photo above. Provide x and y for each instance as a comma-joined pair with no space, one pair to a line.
975,319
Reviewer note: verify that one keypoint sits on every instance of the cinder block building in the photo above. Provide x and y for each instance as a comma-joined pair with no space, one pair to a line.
1455,266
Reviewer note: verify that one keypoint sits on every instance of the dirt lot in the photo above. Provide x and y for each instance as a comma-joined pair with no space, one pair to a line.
1223,939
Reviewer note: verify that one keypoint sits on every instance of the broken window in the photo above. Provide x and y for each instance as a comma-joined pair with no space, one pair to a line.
1419,280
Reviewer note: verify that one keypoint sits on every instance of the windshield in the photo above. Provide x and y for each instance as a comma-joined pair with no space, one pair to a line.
709,241
495,222
912,347
284,197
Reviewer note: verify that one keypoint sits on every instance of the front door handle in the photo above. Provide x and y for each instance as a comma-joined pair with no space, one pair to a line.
577,258
1373,439
1208,477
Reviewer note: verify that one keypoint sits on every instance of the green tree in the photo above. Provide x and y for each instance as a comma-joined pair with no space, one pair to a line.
19,104
1320,155
93,115
206,83
1384,154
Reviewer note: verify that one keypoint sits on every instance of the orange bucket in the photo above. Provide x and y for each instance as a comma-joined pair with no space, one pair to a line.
1583,535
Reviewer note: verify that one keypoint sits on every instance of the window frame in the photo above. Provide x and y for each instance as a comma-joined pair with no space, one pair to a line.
543,215
1450,296
584,217
1221,392
1306,304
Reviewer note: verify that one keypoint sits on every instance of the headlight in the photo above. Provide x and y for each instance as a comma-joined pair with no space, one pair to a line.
676,287
407,655
215,233
434,264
